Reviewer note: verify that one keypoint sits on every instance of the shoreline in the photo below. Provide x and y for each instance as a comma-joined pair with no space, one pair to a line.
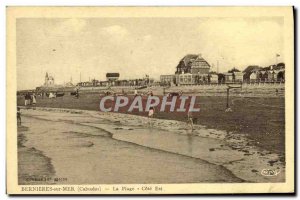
28,155
232,146
262,120
101,159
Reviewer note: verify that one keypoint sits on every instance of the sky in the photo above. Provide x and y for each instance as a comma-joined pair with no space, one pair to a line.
92,47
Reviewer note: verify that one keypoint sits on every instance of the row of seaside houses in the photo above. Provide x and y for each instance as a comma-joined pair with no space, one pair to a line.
193,69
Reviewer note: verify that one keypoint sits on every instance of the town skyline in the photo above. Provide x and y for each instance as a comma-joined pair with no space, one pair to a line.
67,47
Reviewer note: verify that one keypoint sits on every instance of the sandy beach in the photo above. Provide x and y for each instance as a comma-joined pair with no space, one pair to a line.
268,113
64,146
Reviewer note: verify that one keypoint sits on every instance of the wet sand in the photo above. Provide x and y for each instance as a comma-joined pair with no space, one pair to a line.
82,154
33,165
259,118
93,147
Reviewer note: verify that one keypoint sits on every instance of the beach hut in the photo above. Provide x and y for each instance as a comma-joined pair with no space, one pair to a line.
253,76
238,76
228,77
214,78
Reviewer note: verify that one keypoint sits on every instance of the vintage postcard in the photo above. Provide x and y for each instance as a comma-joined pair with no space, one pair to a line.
150,100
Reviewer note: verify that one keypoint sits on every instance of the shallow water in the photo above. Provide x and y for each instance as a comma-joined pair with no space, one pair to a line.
166,139
87,155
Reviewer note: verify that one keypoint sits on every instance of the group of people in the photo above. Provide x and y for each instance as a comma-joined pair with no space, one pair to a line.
30,99
189,122
149,93
190,117
152,112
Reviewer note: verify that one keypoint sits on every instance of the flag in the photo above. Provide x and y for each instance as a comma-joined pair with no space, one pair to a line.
277,55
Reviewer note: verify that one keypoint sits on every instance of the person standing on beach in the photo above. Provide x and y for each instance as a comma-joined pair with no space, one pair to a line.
19,121
77,94
150,115
190,118
27,99
33,99
135,93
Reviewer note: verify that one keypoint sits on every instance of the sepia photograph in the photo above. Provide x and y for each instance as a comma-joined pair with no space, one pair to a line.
150,100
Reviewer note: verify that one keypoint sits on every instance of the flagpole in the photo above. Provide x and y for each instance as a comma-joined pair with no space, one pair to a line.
277,55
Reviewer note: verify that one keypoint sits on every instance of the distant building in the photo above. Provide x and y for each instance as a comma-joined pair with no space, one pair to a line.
167,79
271,75
202,78
238,76
281,75
50,86
213,78
187,79
254,76
193,64
112,76
49,80
228,77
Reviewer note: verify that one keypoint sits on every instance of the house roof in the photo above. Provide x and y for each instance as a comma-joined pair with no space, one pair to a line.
252,68
188,58
200,63
108,75
185,74
167,75
263,72
69,84
238,73
195,61
228,74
